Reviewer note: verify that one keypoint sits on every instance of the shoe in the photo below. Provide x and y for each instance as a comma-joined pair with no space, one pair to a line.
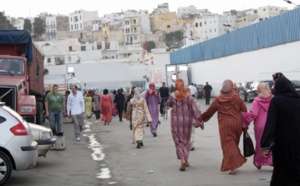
147,125
121,121
138,145
192,149
183,165
78,139
154,134
233,172
187,164
142,144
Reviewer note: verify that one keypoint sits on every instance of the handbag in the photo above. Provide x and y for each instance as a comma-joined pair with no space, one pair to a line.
248,145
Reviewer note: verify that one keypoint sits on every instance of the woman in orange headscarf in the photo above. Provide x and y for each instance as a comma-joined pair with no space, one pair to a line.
184,109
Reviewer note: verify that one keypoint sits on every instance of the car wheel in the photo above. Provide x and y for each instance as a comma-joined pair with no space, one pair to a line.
5,168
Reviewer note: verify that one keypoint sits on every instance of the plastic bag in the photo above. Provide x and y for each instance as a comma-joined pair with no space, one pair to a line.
248,145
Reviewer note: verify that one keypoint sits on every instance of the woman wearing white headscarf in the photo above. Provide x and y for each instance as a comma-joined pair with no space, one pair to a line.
139,116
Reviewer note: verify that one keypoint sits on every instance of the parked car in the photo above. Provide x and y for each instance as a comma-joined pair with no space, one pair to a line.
200,91
296,84
44,137
247,86
252,93
18,150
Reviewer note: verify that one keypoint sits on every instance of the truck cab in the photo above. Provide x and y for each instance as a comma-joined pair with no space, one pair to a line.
21,74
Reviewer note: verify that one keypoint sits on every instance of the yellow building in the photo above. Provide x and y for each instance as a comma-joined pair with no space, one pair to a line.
167,22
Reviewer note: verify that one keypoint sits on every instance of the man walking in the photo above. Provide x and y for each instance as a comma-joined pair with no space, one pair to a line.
75,109
55,108
164,94
193,90
207,90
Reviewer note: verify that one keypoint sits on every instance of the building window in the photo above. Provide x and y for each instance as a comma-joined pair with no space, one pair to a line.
168,26
134,21
200,24
205,22
48,60
196,24
83,48
70,48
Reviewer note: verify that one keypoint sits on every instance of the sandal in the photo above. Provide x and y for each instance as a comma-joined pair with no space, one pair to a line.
187,164
233,172
183,165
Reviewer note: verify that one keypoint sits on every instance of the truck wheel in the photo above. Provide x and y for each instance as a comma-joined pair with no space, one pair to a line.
5,168
39,113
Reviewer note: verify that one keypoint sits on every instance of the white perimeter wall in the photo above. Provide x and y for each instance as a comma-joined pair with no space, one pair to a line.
255,65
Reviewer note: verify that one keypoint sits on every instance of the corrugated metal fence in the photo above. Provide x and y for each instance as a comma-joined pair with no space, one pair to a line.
278,30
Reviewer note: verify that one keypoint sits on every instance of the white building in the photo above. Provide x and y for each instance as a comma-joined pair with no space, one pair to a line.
161,8
51,28
135,24
208,26
267,12
60,52
19,24
80,18
190,12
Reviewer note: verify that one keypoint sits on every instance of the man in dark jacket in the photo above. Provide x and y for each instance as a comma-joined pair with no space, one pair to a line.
207,90
120,100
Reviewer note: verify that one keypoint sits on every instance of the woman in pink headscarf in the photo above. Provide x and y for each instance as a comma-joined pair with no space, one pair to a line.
258,113
153,100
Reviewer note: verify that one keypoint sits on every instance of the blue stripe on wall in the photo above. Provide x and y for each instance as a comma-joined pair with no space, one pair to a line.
278,30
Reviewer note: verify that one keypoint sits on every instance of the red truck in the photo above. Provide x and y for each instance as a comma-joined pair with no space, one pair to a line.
21,75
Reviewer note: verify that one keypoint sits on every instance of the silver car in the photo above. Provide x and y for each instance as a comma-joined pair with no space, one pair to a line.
44,137
18,150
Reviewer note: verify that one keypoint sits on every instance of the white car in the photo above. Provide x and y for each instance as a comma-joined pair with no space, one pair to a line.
18,150
44,137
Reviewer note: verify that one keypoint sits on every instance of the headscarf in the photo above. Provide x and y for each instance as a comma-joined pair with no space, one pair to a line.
283,87
277,75
263,90
181,91
227,86
137,93
152,90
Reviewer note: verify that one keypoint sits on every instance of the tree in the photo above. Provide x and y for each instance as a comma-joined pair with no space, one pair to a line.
149,45
38,27
28,25
4,23
174,39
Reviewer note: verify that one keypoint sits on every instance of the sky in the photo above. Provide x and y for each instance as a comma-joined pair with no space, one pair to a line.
31,8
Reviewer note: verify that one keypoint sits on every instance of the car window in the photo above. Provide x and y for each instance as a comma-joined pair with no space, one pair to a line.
2,119
296,84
